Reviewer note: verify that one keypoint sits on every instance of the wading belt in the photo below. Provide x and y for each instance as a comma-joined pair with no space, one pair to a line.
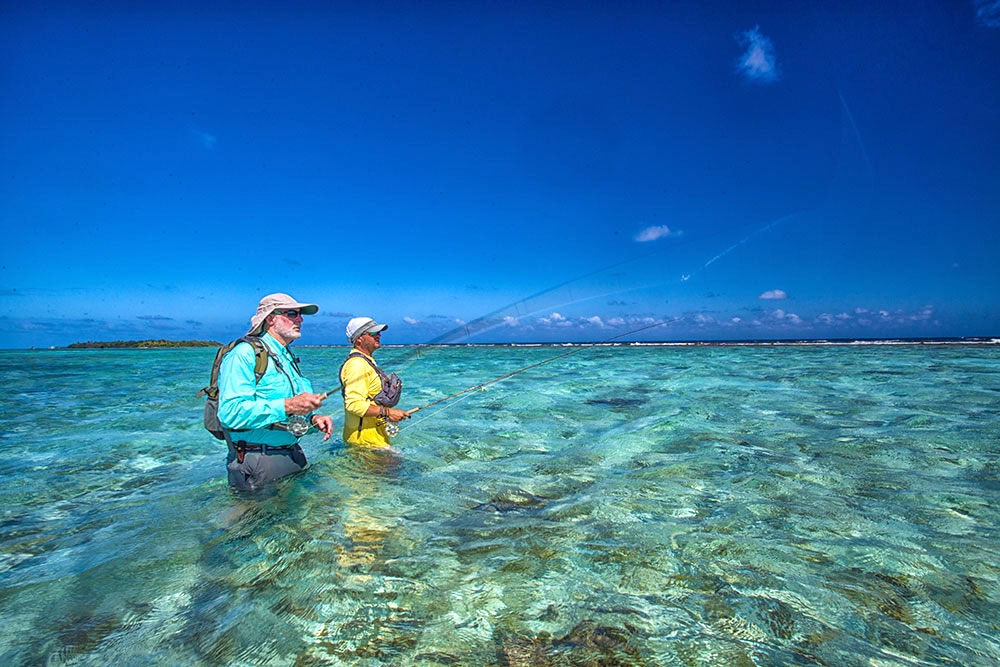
242,447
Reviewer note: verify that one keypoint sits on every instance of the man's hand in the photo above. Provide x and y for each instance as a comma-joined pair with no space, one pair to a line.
397,415
323,423
303,403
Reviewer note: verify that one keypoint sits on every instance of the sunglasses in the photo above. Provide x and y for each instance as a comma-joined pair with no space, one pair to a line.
290,314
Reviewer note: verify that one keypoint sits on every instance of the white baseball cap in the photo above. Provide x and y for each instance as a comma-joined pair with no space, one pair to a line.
359,326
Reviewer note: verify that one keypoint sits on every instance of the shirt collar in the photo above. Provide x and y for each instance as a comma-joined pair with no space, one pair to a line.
273,344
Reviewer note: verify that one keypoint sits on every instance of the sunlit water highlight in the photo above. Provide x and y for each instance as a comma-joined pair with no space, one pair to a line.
622,506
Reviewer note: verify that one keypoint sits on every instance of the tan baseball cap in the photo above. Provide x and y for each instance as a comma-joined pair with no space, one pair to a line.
273,302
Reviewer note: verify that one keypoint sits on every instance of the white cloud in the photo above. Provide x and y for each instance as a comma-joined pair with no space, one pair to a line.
988,12
865,317
789,317
557,320
758,62
655,232
774,294
410,320
207,140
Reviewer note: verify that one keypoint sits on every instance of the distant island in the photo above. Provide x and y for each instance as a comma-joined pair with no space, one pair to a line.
142,344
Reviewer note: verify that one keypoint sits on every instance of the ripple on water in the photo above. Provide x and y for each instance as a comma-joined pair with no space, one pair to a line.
694,506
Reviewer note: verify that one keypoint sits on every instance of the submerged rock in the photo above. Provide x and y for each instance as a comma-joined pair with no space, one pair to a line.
510,500
588,643
618,402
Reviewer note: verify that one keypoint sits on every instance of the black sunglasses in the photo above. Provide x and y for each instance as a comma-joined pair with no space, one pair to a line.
291,314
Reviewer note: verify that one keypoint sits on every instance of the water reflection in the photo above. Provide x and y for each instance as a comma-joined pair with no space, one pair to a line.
365,473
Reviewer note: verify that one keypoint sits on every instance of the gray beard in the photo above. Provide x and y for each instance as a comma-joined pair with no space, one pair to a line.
287,331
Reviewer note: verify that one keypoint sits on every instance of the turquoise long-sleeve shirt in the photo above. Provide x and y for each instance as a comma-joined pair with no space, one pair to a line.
247,404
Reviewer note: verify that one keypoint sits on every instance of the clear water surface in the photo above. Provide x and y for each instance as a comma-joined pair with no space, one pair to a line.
808,505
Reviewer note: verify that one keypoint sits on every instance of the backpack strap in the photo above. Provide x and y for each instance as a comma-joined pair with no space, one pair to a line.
266,352
340,373
261,354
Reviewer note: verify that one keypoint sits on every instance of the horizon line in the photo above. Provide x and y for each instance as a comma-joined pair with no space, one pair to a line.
747,342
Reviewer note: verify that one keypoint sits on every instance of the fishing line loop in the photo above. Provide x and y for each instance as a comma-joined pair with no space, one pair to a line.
536,365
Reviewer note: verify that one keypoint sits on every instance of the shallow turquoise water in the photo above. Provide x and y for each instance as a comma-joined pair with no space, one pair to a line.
812,505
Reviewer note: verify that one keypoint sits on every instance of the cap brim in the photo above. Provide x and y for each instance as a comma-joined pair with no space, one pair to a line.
368,328
257,321
304,308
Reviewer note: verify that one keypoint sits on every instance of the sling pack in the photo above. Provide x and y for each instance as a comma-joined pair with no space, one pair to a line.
392,386
261,354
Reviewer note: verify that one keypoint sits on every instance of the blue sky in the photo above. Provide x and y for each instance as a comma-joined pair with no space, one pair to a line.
477,172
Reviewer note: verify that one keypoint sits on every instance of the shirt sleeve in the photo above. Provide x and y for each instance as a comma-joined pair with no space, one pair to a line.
240,406
355,379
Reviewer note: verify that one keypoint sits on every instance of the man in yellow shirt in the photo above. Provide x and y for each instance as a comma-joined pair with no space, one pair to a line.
370,395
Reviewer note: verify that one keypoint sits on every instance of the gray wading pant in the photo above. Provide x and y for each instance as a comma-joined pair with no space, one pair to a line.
260,467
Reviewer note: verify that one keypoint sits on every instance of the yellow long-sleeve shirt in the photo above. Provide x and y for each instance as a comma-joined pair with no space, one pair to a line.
361,384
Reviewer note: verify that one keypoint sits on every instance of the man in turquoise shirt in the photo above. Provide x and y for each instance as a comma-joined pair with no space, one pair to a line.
264,419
